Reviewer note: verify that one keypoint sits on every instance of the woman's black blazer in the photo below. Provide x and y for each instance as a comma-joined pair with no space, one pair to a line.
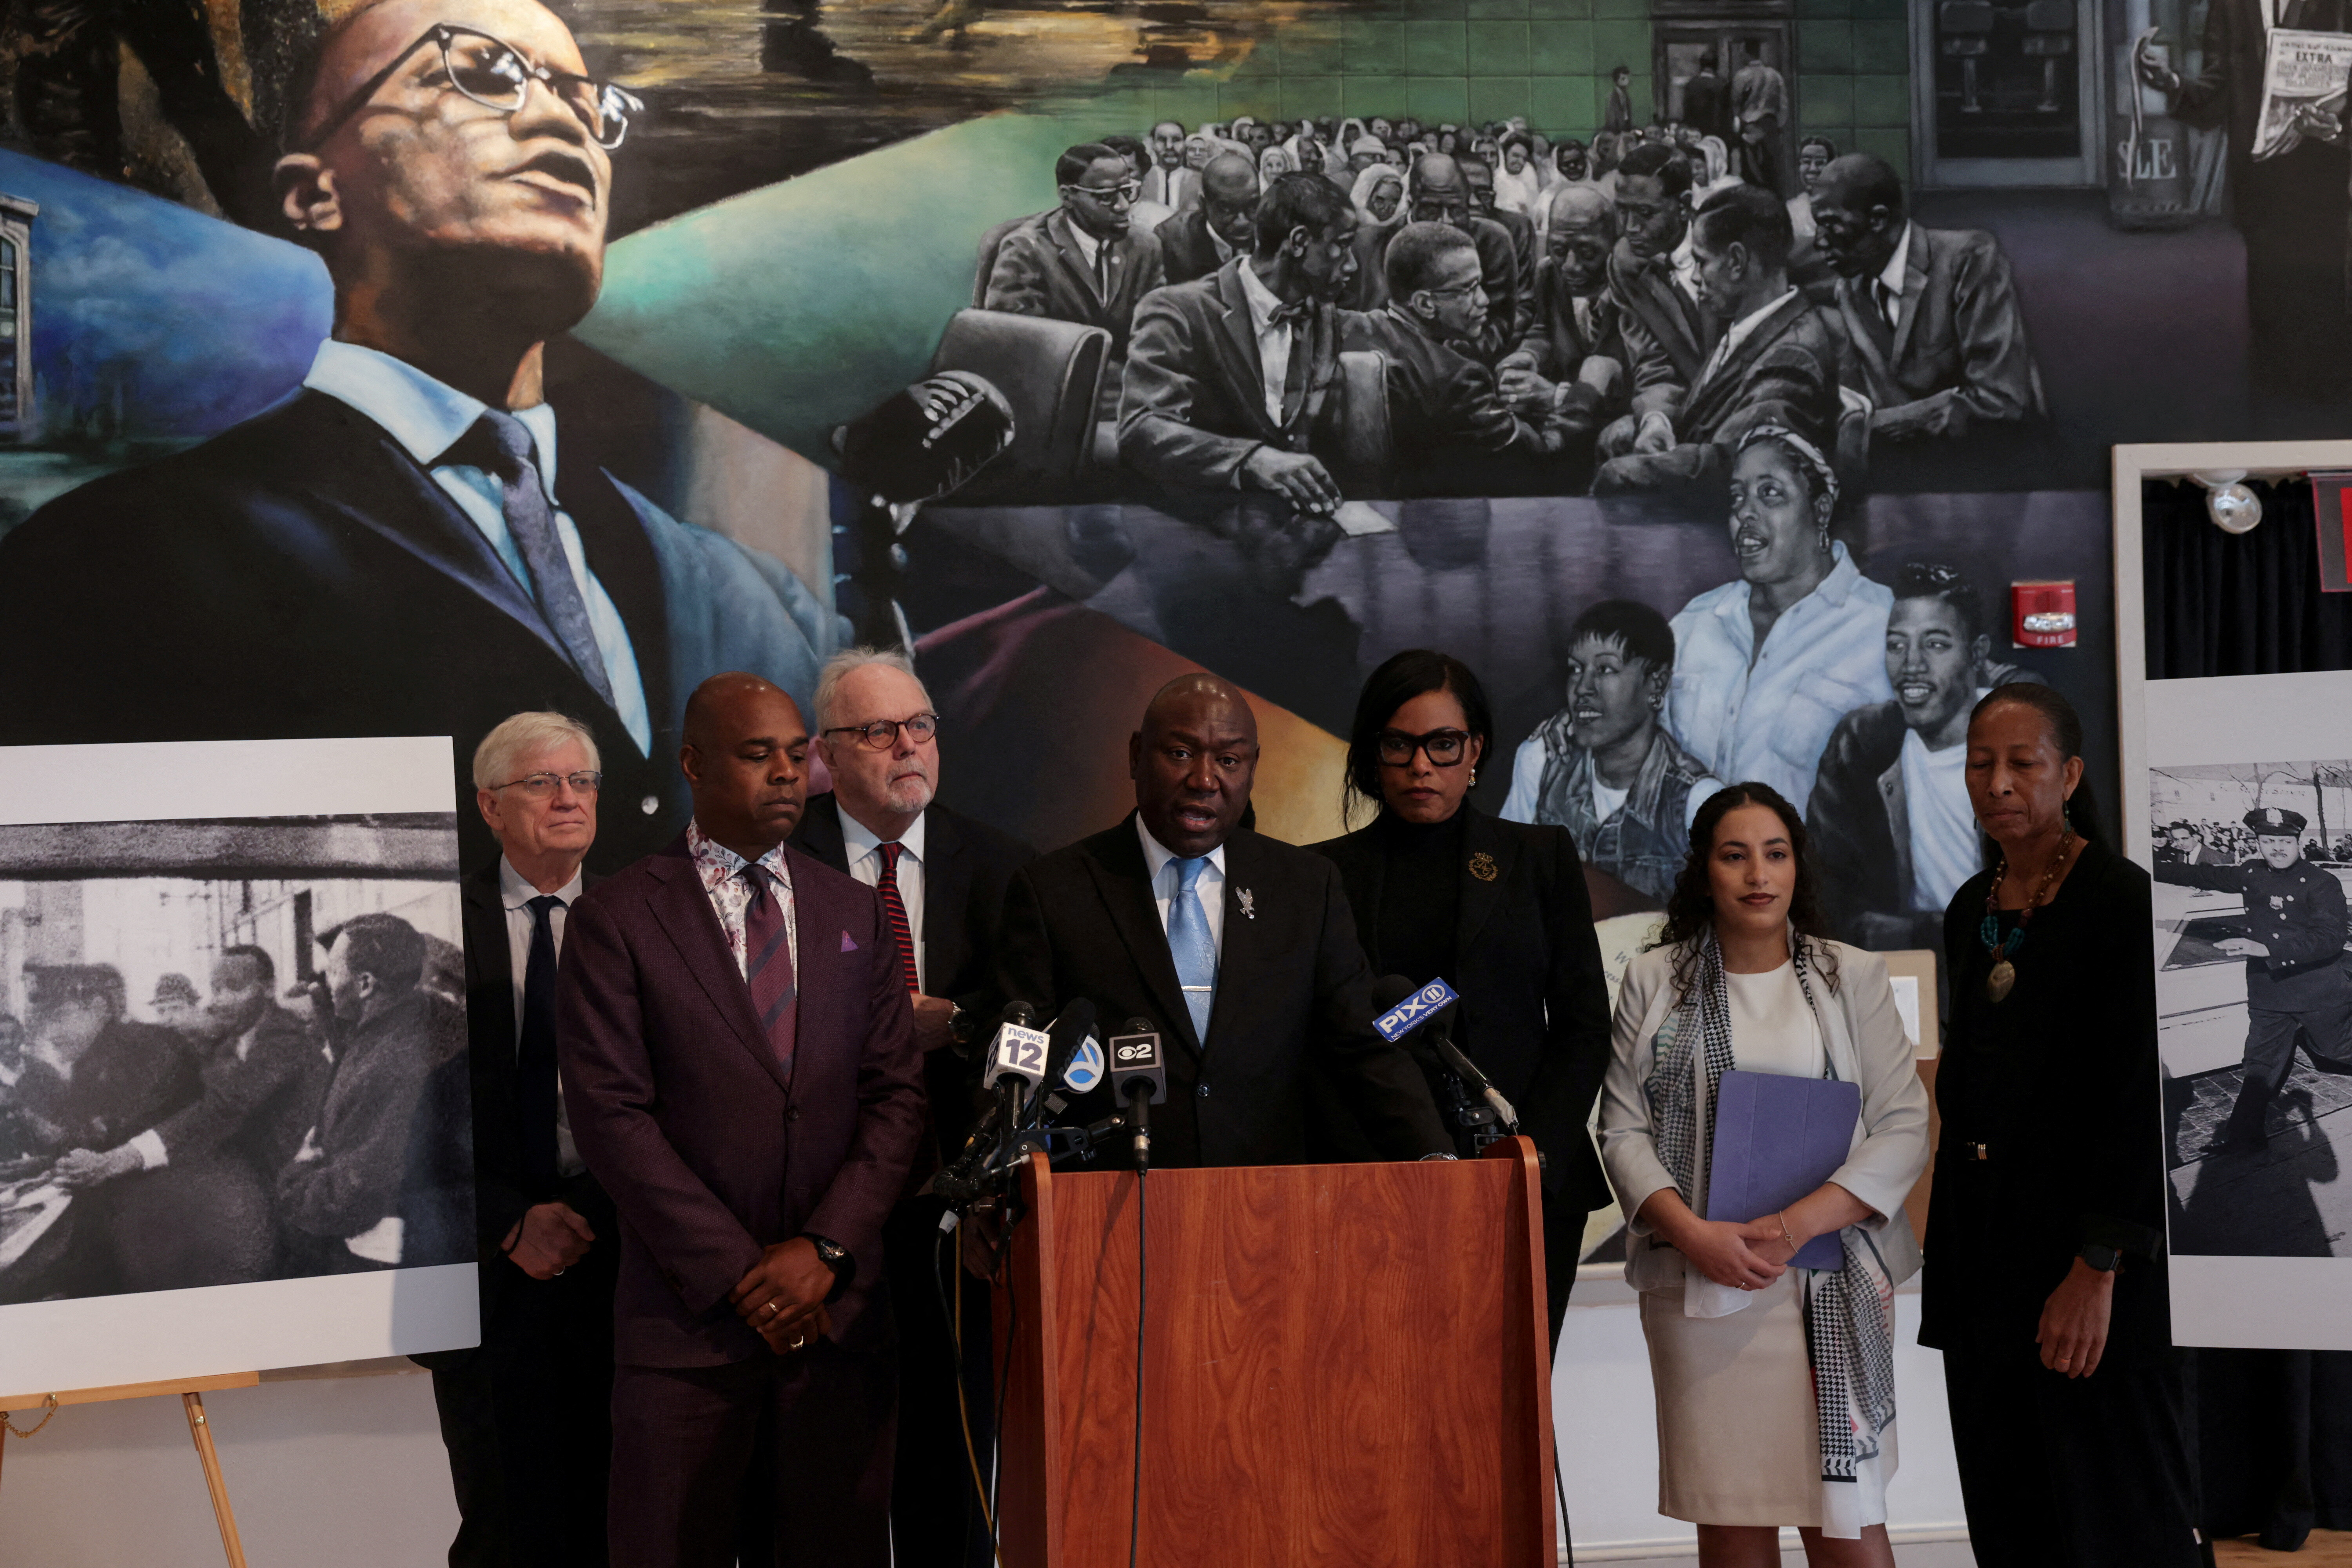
1535,1006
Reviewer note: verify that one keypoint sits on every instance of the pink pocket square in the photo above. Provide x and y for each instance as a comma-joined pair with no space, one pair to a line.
847,944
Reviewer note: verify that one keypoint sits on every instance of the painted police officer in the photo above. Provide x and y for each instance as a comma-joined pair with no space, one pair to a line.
2294,942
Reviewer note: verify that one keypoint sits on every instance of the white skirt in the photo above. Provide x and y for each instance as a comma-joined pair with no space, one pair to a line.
1737,1442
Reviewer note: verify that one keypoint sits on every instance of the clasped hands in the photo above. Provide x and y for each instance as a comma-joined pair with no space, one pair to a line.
1745,1256
783,1297
82,1168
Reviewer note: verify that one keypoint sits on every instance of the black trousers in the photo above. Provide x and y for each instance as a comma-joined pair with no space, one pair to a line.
1563,1238
2270,1054
527,1419
2088,1473
935,1515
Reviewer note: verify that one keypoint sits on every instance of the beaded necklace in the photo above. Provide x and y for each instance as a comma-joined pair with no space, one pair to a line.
2003,978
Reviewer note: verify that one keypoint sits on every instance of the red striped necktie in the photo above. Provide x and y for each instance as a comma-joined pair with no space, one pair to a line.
768,964
896,908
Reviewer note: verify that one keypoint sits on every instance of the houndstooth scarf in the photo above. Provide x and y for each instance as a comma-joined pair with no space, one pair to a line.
1849,1311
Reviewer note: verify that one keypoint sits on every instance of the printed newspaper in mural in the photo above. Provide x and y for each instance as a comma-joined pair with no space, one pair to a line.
2305,71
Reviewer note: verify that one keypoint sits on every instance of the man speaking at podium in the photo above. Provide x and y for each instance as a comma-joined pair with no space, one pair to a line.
1240,950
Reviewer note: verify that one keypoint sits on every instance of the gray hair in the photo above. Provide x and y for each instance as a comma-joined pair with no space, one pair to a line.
519,736
838,669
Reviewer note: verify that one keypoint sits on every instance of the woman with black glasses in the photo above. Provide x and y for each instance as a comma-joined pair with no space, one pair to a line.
1497,909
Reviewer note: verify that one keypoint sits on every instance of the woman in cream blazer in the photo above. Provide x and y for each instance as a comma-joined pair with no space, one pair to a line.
1756,1361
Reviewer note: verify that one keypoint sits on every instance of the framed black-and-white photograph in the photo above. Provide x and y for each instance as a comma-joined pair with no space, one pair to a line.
2237,796
234,1120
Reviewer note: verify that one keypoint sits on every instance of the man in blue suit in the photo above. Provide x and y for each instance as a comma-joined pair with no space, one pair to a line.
397,548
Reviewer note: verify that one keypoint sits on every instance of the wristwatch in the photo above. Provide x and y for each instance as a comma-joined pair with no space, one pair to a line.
835,1257
2099,1255
961,1029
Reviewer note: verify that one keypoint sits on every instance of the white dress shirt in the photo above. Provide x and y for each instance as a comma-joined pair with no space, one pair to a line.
1892,276
1943,825
1273,340
1766,713
1225,249
1211,885
721,870
863,849
427,417
1685,263
515,895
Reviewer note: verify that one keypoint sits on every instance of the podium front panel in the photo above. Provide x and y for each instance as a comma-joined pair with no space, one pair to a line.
1343,1365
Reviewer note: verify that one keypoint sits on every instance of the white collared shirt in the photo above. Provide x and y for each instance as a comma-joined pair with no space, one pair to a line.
721,870
427,417
1088,246
1211,885
863,849
1684,261
515,895
1893,275
1739,333
1274,339
1766,713
1225,249
1944,833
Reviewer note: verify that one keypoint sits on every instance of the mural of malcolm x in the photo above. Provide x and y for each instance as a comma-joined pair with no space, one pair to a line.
1603,766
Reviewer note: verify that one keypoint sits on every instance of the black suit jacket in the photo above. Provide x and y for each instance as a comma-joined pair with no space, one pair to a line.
1293,993
967,866
1956,357
301,575
1667,333
1040,272
501,1189
257,1106
1533,1013
1192,403
1448,423
1186,251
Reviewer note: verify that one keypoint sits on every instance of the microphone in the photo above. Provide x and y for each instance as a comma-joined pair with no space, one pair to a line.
1139,1079
1067,1035
1017,1070
1426,1009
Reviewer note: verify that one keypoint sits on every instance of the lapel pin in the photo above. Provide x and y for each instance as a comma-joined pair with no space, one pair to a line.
1249,903
1482,866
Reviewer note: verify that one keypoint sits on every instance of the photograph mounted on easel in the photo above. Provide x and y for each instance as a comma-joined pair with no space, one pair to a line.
232,1056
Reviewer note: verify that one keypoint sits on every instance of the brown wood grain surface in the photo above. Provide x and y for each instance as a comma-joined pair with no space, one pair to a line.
1343,1364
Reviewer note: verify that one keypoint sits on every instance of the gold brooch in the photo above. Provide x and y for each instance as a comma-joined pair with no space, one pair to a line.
1482,866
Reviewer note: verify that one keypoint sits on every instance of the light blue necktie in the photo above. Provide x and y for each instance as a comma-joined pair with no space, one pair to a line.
1189,944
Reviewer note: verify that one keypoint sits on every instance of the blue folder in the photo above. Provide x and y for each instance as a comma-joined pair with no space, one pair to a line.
1778,1138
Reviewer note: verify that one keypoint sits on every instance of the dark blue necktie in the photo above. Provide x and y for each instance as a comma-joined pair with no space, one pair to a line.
535,1052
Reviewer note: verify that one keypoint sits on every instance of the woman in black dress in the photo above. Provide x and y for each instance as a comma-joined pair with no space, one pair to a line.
1497,909
2045,1277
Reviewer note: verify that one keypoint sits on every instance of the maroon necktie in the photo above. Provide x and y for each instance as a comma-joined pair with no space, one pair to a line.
893,906
768,963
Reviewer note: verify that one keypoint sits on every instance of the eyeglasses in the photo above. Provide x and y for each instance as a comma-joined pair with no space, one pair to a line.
883,734
1446,748
496,75
539,786
1126,191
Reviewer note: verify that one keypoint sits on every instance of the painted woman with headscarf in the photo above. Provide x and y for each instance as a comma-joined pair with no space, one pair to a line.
1518,187
1378,197
1275,161
1766,664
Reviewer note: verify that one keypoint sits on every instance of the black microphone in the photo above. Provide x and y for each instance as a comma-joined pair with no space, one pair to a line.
1066,1034
1435,1026
1139,1079
1016,1057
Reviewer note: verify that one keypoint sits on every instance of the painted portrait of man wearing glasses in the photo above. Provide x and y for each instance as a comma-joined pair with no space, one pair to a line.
404,546
1083,261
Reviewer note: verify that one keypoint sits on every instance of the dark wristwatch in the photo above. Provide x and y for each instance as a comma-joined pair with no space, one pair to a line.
835,1257
960,1028
2099,1255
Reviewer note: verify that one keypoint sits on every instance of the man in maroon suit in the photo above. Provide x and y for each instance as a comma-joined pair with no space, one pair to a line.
739,1066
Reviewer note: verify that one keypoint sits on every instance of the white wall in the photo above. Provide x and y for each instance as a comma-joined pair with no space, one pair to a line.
344,1472
348,1472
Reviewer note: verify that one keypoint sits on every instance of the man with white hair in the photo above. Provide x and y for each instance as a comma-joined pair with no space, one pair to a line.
527,1417
942,878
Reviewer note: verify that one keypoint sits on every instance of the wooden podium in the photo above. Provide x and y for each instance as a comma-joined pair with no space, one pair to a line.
1345,1366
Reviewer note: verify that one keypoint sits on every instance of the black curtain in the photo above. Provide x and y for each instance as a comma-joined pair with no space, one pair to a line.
2273,1428
2242,604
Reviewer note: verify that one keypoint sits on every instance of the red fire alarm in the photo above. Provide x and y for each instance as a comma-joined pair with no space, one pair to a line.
2043,613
